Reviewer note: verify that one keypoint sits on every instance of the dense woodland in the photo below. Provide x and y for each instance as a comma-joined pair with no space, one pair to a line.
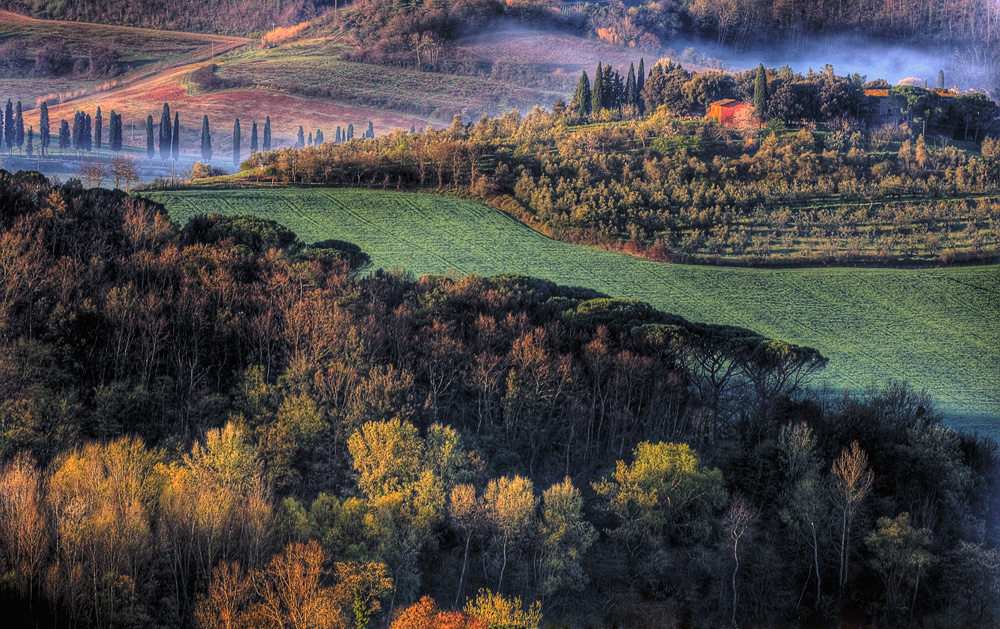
624,166
216,426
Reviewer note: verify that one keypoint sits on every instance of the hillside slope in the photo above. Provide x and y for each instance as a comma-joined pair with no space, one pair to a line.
938,329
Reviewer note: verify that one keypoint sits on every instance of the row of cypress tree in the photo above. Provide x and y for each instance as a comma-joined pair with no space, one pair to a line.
610,90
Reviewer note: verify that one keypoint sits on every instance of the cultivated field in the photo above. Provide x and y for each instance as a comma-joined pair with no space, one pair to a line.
939,329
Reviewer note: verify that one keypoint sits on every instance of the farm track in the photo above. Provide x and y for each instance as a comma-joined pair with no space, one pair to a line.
939,329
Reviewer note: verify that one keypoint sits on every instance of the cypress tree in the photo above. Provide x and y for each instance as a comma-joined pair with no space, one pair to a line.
310,142
206,141
8,126
350,131
336,138
597,97
300,139
98,131
43,128
165,132
940,79
237,138
267,133
31,142
319,137
631,97
253,138
113,145
77,139
150,142
64,138
581,96
120,136
88,141
640,78
413,128
612,85
18,127
371,129
175,137
760,95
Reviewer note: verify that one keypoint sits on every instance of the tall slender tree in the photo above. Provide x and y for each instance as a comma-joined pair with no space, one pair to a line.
8,126
760,95
206,141
31,142
267,134
319,137
88,140
165,132
253,137
597,97
114,144
350,131
150,142
64,137
98,131
237,138
175,138
309,142
371,129
581,96
43,128
78,132
336,137
300,140
18,127
631,95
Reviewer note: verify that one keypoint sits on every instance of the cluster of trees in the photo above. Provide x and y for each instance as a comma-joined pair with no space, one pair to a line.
213,16
217,426
673,189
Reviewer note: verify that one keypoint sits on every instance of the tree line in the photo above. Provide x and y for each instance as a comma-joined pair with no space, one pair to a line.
215,425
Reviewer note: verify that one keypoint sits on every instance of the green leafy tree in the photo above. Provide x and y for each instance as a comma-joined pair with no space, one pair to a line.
760,93
900,556
581,96
666,493
564,538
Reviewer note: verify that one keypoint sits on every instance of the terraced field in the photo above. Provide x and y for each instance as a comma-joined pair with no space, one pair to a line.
939,329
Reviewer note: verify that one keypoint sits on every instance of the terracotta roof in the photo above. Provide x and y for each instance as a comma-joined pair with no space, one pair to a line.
944,93
727,102
878,93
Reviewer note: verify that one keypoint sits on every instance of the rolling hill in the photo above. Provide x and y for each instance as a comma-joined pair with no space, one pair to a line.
938,329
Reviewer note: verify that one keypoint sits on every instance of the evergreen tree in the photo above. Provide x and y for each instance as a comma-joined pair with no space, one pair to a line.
310,141
760,95
267,133
31,142
77,139
300,139
64,137
581,96
175,137
150,142
165,132
88,140
114,132
371,129
336,138
18,127
413,128
237,139
43,128
941,79
640,78
597,96
8,126
631,96
206,141
350,131
319,137
614,87
253,138
98,131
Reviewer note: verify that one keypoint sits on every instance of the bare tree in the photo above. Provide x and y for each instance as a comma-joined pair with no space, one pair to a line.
852,481
93,173
739,520
124,170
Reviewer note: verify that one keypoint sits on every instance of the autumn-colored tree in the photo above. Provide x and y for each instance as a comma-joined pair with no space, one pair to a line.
851,482
497,611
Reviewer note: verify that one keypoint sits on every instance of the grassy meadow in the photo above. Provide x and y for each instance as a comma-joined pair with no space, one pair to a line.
939,329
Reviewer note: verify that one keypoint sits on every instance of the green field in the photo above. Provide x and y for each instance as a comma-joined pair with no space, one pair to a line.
938,329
